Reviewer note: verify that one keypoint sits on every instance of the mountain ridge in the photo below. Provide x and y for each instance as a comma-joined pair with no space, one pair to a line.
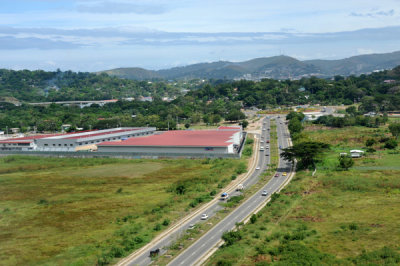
275,67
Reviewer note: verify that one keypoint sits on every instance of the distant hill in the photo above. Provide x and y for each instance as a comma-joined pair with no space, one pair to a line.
133,73
276,67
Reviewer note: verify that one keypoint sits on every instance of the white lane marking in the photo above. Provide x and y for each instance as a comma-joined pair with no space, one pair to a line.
193,253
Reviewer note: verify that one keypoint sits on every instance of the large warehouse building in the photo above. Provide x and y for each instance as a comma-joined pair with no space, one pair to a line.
221,141
80,140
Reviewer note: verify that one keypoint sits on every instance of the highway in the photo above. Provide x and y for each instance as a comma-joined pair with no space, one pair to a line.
198,250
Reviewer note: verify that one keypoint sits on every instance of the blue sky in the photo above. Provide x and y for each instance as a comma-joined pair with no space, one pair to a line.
92,35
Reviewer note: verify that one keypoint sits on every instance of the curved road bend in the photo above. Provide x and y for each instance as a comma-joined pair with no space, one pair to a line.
143,258
201,247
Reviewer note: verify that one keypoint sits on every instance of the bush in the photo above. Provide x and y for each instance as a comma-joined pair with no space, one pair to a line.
253,218
345,162
241,168
231,237
370,142
249,141
391,144
43,202
180,189
224,262
353,226
157,227
166,222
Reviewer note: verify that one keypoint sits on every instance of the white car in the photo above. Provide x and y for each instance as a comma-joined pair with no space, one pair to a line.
204,216
264,193
191,226
258,168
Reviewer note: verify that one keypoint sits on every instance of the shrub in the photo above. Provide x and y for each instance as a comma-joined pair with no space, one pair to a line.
249,141
157,227
119,190
180,189
224,262
241,168
390,144
43,202
370,142
166,222
231,237
345,162
353,226
253,218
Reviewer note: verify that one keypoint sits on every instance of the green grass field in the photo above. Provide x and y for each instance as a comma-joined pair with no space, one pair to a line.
69,211
336,217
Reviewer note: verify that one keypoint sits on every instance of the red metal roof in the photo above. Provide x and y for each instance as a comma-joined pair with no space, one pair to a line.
203,138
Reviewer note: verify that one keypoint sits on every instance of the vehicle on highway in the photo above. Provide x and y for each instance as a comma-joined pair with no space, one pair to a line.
280,147
261,141
276,175
261,148
154,252
264,193
240,187
258,168
267,140
266,154
191,226
204,216
264,128
224,196
267,146
284,174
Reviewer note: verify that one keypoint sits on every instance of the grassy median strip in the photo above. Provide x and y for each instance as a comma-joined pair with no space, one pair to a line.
336,217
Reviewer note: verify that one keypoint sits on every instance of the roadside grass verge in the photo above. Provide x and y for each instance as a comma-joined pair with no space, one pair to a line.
336,217
68,211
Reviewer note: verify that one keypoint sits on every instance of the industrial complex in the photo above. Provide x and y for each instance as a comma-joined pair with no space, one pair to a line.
141,141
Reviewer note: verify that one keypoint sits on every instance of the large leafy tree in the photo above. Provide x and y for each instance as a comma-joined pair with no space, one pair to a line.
395,129
307,154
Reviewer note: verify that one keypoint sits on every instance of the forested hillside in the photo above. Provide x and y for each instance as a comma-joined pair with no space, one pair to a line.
210,104
39,85
275,67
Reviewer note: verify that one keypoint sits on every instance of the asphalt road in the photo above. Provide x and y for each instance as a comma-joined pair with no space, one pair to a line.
144,258
201,247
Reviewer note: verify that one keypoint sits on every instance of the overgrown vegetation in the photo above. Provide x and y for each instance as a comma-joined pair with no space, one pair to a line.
331,218
91,211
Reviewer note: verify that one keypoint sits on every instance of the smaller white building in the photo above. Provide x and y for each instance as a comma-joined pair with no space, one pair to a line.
356,153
